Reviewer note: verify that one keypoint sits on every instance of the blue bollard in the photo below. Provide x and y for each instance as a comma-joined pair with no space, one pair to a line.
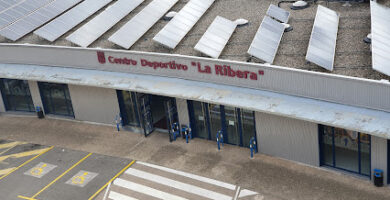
219,148
251,150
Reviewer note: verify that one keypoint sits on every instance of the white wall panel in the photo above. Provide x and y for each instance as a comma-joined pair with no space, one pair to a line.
94,104
287,138
379,155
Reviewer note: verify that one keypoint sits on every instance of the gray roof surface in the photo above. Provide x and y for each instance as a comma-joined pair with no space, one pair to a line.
353,56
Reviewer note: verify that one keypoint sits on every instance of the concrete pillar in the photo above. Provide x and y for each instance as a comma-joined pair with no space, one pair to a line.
2,106
182,110
379,155
35,94
94,104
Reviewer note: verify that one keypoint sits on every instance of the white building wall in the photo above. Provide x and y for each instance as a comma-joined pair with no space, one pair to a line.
182,111
2,106
35,94
94,104
287,138
379,155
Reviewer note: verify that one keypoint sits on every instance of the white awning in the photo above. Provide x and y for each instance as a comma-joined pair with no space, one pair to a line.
364,120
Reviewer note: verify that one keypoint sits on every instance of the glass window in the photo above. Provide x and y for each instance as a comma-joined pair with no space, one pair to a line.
129,108
56,99
200,120
248,126
345,149
215,120
16,95
233,134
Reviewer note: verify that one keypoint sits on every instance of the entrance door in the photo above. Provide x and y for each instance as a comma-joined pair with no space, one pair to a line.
146,114
215,120
128,108
231,123
199,116
171,112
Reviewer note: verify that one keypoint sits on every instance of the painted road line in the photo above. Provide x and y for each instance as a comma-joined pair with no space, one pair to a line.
6,171
60,176
10,144
23,154
117,196
237,192
113,178
245,193
25,163
146,190
178,185
192,176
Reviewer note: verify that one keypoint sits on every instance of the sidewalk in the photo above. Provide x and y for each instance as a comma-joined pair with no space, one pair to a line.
272,177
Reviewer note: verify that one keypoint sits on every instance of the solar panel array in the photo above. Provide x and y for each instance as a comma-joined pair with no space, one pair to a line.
278,13
267,39
141,23
380,28
322,44
62,24
96,27
19,11
182,23
216,36
36,19
4,4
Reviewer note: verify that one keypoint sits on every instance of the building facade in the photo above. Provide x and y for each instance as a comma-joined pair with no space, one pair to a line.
319,119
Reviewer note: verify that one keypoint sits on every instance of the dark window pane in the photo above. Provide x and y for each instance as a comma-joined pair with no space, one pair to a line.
248,126
327,153
365,160
129,108
56,99
215,120
16,94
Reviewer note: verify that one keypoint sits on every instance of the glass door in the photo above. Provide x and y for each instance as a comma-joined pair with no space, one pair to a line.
248,126
200,120
146,114
232,126
215,120
128,108
171,112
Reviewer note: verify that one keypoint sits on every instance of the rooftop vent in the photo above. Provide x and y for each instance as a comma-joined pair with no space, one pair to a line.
298,5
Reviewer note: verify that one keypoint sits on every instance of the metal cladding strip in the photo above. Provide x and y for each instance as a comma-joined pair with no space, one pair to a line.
278,13
182,23
216,37
192,176
36,19
20,10
380,27
177,185
134,29
146,190
64,23
267,39
96,27
322,44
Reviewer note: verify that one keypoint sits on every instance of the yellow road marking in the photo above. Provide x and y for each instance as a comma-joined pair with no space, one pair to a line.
113,178
11,144
23,154
25,163
5,171
63,174
28,198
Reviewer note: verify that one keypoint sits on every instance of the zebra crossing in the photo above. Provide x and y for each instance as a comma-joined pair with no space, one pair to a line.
149,181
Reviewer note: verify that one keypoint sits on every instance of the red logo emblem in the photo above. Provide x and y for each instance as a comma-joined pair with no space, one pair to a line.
101,57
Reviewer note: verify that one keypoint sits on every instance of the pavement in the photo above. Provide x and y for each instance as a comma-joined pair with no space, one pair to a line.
156,157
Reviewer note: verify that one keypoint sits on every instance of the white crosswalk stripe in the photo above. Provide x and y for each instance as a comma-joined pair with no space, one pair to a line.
148,181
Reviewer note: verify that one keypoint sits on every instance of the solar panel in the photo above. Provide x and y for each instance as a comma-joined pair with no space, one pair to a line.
141,23
380,28
96,27
216,36
267,39
20,10
182,23
36,19
278,13
62,24
5,4
322,44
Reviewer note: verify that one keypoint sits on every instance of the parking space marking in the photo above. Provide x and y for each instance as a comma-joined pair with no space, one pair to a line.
82,178
55,180
25,163
113,178
40,170
23,154
10,144
5,171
